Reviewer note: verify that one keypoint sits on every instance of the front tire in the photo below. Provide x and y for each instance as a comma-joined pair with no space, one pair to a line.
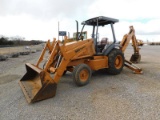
115,62
81,74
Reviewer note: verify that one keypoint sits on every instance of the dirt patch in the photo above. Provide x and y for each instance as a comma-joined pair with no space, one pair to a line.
8,78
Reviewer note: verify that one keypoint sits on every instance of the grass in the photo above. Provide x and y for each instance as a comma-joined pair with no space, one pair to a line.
10,50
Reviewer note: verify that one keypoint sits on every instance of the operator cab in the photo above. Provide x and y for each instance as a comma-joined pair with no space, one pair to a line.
101,47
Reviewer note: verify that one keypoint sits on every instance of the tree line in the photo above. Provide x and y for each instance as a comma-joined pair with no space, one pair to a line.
17,41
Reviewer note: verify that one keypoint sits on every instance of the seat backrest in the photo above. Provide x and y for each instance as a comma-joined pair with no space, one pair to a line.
108,48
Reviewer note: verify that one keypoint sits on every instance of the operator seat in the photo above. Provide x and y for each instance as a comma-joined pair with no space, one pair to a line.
102,44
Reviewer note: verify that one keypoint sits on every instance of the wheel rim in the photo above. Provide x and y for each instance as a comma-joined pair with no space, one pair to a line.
118,62
84,75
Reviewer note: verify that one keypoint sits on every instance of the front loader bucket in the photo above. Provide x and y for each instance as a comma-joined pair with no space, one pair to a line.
36,84
135,58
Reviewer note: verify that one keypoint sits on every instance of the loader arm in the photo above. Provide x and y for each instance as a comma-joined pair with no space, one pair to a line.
49,46
72,52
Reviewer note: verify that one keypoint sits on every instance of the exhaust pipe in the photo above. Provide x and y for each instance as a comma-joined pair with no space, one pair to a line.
77,31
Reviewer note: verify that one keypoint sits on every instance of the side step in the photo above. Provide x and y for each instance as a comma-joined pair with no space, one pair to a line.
133,67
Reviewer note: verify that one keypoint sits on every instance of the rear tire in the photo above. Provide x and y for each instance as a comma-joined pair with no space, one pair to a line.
115,62
81,74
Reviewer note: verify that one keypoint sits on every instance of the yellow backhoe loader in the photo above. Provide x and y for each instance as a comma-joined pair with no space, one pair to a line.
79,57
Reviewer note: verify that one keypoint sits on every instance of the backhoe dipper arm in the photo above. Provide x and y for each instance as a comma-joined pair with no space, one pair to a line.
135,44
126,39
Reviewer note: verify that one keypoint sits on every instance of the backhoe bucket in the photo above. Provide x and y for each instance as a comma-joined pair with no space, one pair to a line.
135,58
36,84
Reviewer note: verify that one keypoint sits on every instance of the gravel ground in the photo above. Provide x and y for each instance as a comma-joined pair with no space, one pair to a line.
126,96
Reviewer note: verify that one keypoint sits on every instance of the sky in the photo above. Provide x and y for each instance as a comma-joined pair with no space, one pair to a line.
38,19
